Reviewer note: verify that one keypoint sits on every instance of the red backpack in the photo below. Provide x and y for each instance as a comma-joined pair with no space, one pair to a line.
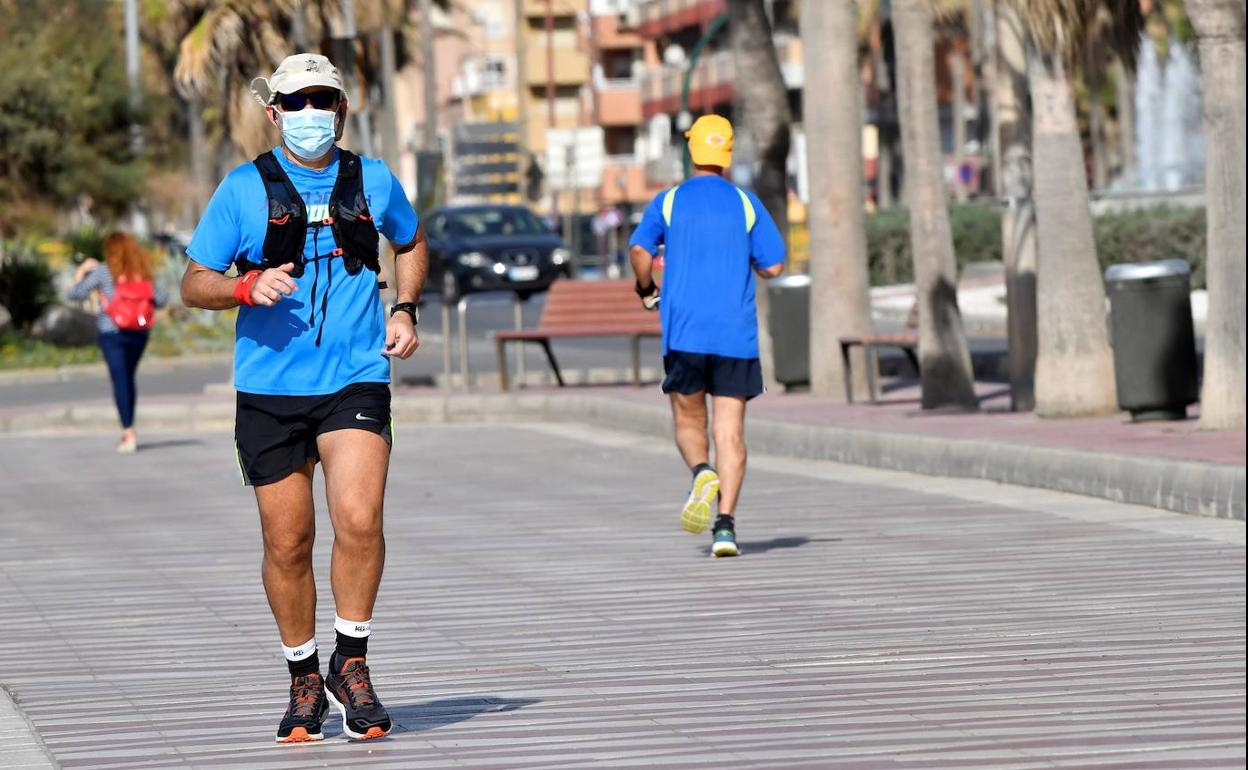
133,306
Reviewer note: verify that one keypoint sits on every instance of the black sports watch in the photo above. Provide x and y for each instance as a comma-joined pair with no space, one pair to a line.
407,307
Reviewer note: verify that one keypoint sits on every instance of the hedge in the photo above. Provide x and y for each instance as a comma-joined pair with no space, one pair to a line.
1142,235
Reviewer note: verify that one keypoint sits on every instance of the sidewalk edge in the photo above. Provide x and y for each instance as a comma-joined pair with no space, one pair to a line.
1183,486
35,752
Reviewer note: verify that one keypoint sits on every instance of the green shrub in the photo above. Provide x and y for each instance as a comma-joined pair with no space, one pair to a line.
26,284
1141,235
1153,234
976,238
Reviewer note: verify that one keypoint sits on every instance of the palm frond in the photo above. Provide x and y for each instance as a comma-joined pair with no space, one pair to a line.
1070,28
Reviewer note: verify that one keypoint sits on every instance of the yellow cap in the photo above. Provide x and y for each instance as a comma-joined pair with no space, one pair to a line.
710,141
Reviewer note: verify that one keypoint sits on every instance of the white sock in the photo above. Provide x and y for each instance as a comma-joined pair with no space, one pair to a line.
359,629
302,652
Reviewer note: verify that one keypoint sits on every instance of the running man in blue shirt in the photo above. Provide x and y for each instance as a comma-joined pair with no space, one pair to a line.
311,368
716,237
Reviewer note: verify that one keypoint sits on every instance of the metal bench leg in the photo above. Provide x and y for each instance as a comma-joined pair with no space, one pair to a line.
550,356
913,355
873,367
501,347
848,374
635,351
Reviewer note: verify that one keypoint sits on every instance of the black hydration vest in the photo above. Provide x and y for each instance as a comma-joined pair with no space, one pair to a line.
355,235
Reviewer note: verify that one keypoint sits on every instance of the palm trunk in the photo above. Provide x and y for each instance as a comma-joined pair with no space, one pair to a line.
1013,158
765,107
840,302
1124,98
1220,27
1074,366
945,361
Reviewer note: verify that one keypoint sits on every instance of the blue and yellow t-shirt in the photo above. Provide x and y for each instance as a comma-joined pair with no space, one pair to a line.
275,350
708,282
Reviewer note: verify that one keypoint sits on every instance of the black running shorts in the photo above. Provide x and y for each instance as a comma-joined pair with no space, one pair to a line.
691,373
276,435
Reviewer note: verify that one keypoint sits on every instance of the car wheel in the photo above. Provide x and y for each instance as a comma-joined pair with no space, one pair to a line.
450,288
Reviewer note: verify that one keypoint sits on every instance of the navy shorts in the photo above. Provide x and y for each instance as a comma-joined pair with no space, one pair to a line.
276,435
692,373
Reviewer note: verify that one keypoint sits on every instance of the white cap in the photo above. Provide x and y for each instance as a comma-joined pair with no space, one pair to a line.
295,73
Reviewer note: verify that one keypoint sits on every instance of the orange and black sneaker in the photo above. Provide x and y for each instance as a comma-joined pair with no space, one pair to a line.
351,692
306,711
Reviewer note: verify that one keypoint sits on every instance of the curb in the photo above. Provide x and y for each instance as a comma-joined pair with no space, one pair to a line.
98,370
1205,489
23,746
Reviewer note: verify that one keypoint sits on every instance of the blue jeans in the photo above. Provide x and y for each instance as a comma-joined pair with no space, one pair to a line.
122,351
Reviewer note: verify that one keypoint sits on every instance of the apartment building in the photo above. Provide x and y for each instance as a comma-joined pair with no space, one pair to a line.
689,39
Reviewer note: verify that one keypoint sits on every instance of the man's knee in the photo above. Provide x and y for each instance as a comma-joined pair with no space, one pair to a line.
730,437
358,524
289,551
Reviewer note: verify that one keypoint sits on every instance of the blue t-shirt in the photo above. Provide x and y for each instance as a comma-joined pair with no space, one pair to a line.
275,349
708,282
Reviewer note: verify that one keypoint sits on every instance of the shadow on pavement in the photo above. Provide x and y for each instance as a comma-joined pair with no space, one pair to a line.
415,717
749,548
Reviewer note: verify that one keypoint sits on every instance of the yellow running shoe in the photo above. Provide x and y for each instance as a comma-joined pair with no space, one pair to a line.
696,514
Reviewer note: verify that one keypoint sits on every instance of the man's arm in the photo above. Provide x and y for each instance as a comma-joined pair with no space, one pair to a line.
643,265
770,272
411,267
206,288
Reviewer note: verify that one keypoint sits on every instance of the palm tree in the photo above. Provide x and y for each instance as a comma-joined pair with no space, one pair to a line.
840,303
766,116
1074,363
221,45
1220,28
945,360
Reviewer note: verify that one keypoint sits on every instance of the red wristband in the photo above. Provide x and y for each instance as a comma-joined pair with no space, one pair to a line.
242,287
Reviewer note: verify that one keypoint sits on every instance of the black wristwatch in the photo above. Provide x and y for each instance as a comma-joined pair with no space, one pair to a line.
407,307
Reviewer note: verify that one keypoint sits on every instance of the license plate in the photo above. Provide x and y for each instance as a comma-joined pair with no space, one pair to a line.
523,273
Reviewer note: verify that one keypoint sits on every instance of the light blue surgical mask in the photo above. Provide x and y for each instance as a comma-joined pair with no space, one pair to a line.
309,133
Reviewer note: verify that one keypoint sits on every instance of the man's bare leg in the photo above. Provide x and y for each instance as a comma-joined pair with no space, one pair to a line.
288,525
355,466
689,417
728,426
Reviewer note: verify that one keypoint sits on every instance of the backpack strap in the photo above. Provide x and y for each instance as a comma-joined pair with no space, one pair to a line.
669,201
287,218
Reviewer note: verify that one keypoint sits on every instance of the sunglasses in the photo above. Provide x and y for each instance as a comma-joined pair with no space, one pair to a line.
320,100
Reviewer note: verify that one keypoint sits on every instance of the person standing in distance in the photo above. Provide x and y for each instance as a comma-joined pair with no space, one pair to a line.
716,237
301,222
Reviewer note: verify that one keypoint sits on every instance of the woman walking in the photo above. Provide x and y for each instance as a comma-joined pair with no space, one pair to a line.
128,299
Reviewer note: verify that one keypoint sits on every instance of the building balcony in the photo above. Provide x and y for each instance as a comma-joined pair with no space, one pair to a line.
666,170
538,8
618,103
661,17
609,35
710,85
624,181
571,66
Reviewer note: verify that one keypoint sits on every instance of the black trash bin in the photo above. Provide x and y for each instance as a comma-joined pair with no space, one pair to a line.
788,311
1154,341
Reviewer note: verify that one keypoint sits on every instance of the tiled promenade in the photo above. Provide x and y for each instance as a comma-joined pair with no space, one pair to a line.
542,609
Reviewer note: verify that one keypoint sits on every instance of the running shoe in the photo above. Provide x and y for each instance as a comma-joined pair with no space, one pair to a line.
351,692
724,538
306,711
696,514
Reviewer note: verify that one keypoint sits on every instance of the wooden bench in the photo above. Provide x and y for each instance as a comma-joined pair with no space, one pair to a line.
871,343
585,309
